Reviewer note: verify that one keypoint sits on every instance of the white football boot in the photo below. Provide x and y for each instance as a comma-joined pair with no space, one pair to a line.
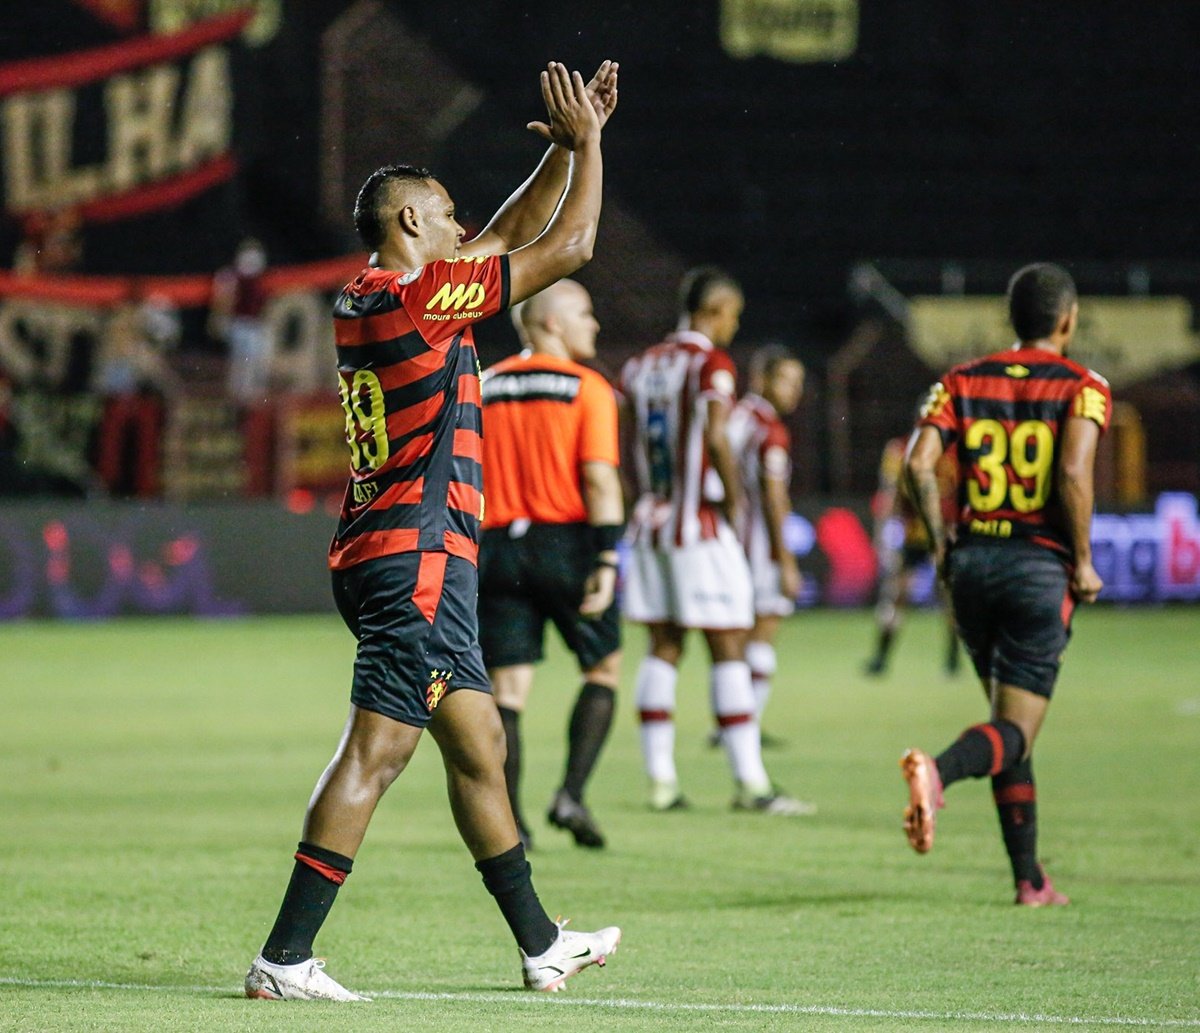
570,953
304,982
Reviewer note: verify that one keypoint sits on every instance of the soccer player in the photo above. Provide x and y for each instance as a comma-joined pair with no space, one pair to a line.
403,557
899,561
1026,422
554,517
762,450
686,566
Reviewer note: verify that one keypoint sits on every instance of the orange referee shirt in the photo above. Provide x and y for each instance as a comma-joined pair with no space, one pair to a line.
543,418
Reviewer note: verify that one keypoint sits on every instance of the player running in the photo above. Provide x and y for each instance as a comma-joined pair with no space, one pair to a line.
554,517
1027,423
403,558
762,450
686,566
900,558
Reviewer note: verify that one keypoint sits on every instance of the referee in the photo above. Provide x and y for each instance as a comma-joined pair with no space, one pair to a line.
553,517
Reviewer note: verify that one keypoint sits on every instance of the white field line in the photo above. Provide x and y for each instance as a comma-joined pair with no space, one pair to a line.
624,1004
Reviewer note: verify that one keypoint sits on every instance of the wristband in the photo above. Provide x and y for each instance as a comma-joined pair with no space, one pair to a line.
606,536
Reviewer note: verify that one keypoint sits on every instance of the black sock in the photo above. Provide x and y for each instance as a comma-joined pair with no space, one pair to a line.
884,646
952,652
316,877
590,721
1015,793
982,750
507,878
511,719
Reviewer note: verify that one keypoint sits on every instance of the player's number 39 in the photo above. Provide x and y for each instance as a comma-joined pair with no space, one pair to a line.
1028,452
366,420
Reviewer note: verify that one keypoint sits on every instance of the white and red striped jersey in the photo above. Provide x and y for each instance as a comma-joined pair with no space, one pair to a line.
668,388
762,450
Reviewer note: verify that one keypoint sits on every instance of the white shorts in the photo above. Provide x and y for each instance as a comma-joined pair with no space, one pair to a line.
769,601
706,585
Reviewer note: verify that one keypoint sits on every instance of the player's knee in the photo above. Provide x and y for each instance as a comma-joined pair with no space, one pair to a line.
607,672
761,658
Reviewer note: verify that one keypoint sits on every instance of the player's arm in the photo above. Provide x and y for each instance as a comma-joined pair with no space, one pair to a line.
925,448
720,455
887,495
527,212
777,505
606,514
567,241
1076,488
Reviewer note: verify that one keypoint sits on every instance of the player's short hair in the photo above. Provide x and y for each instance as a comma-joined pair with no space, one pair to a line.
698,285
767,359
1038,297
368,219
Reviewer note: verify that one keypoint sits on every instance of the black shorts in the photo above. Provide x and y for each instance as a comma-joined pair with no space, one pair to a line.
913,557
536,577
1013,609
413,614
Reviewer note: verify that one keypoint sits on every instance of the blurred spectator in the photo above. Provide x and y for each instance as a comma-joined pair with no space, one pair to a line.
235,317
133,376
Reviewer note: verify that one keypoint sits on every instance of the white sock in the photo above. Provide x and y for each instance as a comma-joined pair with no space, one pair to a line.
654,692
761,658
733,705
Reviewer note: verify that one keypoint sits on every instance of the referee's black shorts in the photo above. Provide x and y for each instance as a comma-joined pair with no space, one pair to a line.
528,579
1013,609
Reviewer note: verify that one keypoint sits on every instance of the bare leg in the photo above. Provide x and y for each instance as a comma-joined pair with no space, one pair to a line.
467,729
373,751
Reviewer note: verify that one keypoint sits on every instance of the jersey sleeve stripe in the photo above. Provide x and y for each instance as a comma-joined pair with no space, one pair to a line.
468,390
464,497
468,444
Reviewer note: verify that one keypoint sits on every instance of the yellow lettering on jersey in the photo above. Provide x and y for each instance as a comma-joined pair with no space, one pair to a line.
363,493
458,295
992,528
937,400
1091,405
1017,370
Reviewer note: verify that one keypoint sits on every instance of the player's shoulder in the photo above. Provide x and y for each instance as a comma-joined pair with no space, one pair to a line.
1081,371
508,364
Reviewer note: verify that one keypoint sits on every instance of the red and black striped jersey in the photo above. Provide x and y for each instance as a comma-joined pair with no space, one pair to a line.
409,384
1006,412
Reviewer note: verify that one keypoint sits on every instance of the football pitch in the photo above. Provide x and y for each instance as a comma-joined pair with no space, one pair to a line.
153,776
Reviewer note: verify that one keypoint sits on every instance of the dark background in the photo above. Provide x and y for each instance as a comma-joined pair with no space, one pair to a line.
960,137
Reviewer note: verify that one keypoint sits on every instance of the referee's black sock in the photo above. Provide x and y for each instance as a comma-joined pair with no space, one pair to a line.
1015,793
511,719
316,877
586,734
987,749
508,879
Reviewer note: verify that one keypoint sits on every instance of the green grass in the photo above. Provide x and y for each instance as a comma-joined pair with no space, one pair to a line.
153,775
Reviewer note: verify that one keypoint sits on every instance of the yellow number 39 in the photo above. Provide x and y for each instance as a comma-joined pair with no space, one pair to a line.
366,420
1028,452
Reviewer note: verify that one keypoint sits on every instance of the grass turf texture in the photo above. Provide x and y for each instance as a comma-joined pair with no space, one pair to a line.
154,774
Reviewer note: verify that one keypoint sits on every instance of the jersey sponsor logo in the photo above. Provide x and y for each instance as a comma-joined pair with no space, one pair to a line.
436,689
1091,405
1017,370
936,401
530,386
458,296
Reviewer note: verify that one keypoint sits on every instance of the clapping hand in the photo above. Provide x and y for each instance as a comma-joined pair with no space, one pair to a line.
574,120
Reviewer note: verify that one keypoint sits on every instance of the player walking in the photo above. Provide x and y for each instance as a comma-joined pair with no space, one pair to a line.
1026,422
554,517
403,558
762,447
900,560
686,567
